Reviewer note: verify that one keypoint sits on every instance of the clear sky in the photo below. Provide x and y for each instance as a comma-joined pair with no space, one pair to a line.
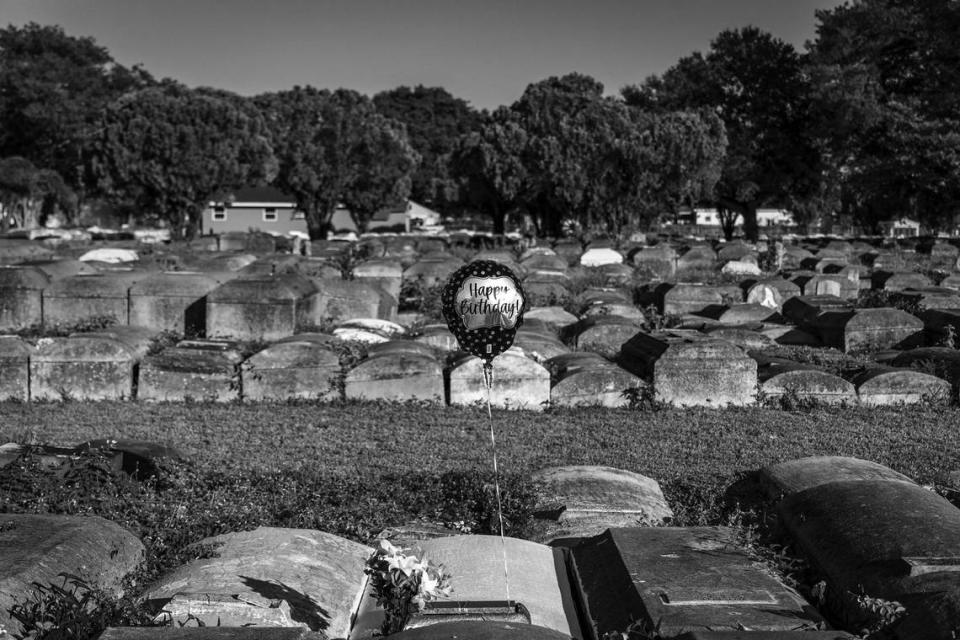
484,51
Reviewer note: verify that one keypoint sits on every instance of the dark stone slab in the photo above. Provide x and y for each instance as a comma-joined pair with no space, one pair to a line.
480,630
793,476
765,635
680,579
210,633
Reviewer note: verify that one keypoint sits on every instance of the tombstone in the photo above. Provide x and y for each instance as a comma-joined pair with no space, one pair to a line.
539,345
401,346
557,317
943,361
596,296
37,548
518,382
599,257
317,576
743,338
683,298
15,356
172,301
736,250
791,336
439,337
931,298
952,282
794,476
339,300
698,257
232,263
772,292
604,334
139,340
584,501
21,297
388,274
616,275
540,293
78,299
537,580
891,386
16,251
572,251
805,383
882,538
803,310
748,313
594,383
260,308
288,370
677,579
899,281
741,268
273,265
432,272
868,329
81,368
691,371
544,261
659,262
196,370
397,376
832,285
794,256
401,248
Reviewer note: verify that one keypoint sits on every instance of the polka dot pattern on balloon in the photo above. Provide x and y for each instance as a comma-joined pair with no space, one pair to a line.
483,304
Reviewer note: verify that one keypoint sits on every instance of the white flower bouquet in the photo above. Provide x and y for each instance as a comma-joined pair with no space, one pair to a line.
403,583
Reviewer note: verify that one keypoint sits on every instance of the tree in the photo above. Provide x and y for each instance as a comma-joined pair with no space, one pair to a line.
52,89
756,84
486,167
26,193
170,150
335,148
887,77
434,120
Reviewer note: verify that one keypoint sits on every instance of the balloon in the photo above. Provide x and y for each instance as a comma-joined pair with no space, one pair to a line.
483,304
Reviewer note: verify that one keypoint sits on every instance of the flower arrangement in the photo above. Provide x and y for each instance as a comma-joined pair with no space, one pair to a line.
403,583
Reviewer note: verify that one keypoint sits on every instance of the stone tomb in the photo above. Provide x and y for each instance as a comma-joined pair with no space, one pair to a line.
79,298
537,580
588,379
81,368
698,257
432,271
600,257
680,579
339,300
794,476
387,274
539,344
36,548
287,370
308,578
172,301
557,317
885,537
657,262
260,308
396,374
748,313
14,369
944,361
692,371
604,334
899,281
438,336
21,297
196,369
584,501
889,385
518,381
772,292
803,310
868,329
805,382
211,633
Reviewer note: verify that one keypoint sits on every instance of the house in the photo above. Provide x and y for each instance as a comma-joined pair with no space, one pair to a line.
709,217
265,209
901,228
406,217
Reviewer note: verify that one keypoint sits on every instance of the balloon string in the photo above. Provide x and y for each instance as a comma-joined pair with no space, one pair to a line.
488,379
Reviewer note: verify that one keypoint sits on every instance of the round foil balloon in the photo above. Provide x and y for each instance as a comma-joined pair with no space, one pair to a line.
483,304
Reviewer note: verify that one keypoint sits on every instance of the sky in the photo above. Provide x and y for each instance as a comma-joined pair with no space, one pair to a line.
484,51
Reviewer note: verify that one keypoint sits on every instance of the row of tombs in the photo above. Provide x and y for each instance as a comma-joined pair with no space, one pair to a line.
680,367
883,550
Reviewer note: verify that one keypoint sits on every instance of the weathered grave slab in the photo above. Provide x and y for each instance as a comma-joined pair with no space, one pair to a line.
794,476
210,633
656,262
197,370
943,361
868,329
747,313
598,257
772,292
595,383
138,339
803,310
260,307
604,334
690,371
679,579
537,580
172,301
317,575
584,501
874,535
433,271
789,335
339,300
36,548
899,281
81,368
438,336
388,274
481,630
15,251
518,382
698,298
21,297
825,284
396,376
539,345
745,339
805,383
288,370
79,298
741,268
555,316
14,368
546,261
889,385
698,257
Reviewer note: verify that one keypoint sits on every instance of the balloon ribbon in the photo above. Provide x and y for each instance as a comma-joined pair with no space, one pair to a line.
488,380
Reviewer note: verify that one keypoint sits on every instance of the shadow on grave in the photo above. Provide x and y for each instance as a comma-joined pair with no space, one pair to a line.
303,608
